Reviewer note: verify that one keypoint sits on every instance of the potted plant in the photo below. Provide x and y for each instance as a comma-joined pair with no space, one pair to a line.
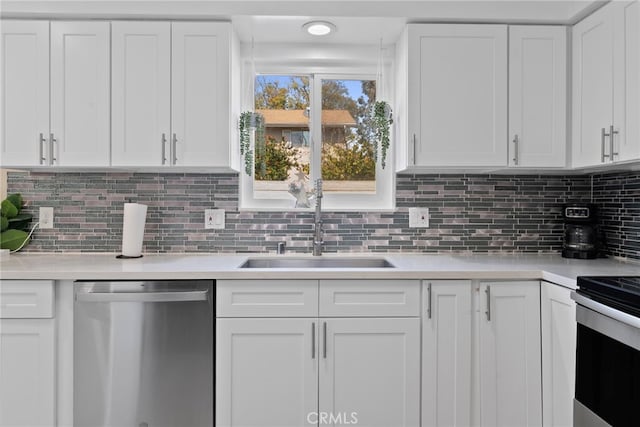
249,121
382,120
14,226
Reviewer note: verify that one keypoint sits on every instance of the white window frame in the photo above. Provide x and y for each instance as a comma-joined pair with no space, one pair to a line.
384,197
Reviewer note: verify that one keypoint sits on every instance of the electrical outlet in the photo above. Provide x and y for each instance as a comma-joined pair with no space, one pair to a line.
214,219
418,217
46,217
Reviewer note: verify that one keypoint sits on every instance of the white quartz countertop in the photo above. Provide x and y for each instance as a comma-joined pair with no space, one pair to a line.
550,267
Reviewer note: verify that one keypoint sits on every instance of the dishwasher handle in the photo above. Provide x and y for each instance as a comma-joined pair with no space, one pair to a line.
142,296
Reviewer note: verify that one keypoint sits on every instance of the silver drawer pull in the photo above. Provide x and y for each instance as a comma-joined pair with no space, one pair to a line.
429,301
488,312
324,334
313,340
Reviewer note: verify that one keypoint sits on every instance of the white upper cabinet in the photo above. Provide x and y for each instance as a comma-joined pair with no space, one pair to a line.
140,93
24,76
200,118
457,101
606,90
537,96
626,75
80,93
171,94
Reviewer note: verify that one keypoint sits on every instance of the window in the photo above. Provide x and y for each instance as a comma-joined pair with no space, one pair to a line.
316,126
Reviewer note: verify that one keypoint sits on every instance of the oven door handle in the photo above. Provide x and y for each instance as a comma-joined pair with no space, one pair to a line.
605,310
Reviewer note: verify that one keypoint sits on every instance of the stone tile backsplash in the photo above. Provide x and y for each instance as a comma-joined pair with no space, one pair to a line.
468,214
618,199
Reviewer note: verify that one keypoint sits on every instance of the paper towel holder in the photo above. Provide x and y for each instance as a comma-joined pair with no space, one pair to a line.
128,257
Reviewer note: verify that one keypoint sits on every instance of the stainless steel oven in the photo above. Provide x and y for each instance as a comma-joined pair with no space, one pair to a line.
607,389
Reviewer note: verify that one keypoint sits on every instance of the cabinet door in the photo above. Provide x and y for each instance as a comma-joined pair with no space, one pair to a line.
370,372
510,360
24,76
592,87
200,94
266,372
458,100
558,354
626,108
537,96
446,353
140,103
27,372
80,92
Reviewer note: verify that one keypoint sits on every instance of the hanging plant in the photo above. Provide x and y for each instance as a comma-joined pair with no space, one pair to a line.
382,120
250,120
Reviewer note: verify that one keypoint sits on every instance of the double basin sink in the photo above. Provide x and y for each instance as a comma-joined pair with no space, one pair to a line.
316,263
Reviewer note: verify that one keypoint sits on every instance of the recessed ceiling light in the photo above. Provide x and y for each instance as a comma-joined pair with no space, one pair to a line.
319,28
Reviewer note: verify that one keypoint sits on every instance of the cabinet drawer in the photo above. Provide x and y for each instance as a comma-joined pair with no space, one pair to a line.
378,298
267,298
26,299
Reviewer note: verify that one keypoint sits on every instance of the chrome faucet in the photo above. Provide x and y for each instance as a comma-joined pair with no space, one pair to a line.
317,238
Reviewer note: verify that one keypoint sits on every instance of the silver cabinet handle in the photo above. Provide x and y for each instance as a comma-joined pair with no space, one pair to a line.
324,339
414,149
163,141
612,132
515,149
142,296
603,135
41,141
429,301
313,340
52,141
488,312
174,143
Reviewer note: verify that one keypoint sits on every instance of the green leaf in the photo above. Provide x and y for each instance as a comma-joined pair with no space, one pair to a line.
12,239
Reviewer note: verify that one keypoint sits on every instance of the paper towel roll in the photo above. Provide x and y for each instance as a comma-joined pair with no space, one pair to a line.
135,216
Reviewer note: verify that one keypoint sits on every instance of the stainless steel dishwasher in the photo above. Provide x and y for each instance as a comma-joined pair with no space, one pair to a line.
143,354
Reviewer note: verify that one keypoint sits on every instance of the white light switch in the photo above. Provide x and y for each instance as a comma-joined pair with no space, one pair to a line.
214,219
418,217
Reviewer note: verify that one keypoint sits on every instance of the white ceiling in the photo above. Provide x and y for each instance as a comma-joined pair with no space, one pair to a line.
358,21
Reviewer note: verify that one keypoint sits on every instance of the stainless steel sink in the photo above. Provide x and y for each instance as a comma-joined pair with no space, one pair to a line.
317,263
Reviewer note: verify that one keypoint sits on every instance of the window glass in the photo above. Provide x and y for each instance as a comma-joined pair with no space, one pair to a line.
284,152
348,163
316,126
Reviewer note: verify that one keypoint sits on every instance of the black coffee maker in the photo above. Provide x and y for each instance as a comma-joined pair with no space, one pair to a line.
581,233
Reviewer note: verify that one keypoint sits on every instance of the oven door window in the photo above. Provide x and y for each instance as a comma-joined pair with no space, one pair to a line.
607,377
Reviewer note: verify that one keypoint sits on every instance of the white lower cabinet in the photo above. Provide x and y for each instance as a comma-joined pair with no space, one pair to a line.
369,372
266,372
481,353
27,354
558,355
310,370
509,364
446,353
